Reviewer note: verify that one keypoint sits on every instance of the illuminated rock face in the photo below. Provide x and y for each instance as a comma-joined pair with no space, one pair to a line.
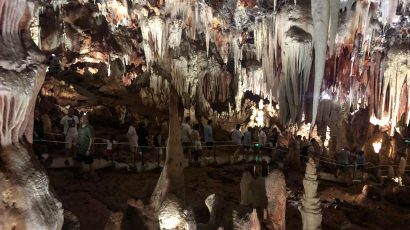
173,216
276,194
26,200
310,209
292,52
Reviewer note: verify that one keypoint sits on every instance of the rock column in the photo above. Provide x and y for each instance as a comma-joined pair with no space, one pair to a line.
310,209
168,198
26,199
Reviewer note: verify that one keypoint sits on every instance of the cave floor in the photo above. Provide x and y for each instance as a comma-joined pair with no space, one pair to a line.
92,201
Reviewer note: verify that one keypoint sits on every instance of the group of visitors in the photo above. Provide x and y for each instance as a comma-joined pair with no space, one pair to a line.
191,138
138,139
78,138
264,144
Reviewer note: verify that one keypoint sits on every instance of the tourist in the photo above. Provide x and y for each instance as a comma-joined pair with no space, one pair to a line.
237,139
262,137
360,160
159,142
342,160
108,151
186,135
38,130
247,140
70,122
274,137
132,138
85,140
47,124
293,158
314,149
196,140
208,136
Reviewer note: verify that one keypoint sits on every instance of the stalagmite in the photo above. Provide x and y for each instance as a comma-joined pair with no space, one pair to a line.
310,208
220,211
250,222
246,190
276,193
320,15
168,198
171,179
26,199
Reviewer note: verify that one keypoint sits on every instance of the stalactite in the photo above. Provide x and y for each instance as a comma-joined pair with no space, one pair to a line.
154,33
266,45
296,62
175,33
388,9
58,4
334,23
395,76
320,15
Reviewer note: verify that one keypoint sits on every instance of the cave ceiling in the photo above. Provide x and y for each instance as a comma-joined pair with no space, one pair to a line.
296,53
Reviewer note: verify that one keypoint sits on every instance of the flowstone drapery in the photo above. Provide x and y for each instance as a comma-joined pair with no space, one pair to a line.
26,200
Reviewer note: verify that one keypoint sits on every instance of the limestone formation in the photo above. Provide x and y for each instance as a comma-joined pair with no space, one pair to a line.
26,199
114,221
171,179
250,222
276,193
71,222
220,211
173,216
310,208
246,188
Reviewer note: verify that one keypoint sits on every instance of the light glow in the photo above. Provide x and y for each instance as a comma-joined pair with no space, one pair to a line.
380,122
325,96
259,118
169,222
377,146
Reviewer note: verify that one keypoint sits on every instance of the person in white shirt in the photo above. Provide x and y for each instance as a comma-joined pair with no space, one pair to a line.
262,137
208,136
132,138
262,140
108,151
186,136
70,123
237,139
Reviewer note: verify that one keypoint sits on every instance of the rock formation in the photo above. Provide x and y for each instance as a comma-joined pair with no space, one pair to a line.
220,211
172,215
168,198
27,201
276,193
310,208
250,222
246,188
114,221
